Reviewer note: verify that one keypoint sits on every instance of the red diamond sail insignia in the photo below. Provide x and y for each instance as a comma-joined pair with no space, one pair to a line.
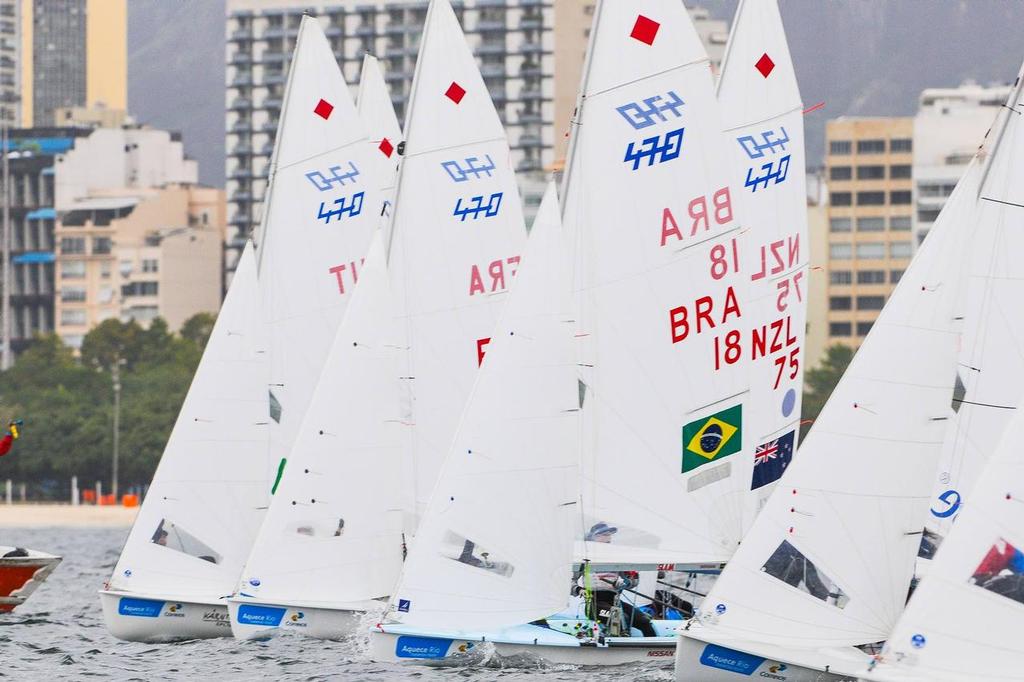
765,65
386,147
455,92
645,30
323,109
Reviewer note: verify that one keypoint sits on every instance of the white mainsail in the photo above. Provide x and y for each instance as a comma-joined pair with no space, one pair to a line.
456,238
763,117
373,102
494,547
206,501
321,210
991,370
661,295
829,560
964,620
332,537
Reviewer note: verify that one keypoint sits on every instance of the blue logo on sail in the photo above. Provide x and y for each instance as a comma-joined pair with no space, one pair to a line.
421,647
715,656
263,616
140,608
952,500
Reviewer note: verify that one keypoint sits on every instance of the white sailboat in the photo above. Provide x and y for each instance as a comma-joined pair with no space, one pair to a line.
205,503
762,114
194,531
362,477
657,307
373,102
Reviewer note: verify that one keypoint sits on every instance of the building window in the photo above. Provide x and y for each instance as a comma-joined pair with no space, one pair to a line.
871,302
72,269
840,303
72,245
840,329
899,172
840,277
870,224
840,225
936,190
900,250
902,197
871,250
72,294
101,245
895,276
902,144
870,277
840,173
840,199
871,172
140,289
72,317
871,198
927,215
899,222
840,147
864,327
105,269
840,251
150,265
870,146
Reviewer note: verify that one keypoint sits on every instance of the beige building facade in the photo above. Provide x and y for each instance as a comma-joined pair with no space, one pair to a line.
154,254
869,165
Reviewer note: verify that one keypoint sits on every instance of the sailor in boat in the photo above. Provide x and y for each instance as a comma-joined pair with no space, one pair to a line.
1002,571
12,435
608,589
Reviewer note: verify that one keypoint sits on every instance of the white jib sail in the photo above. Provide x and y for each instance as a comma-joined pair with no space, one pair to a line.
333,534
991,370
763,117
457,235
828,562
322,206
377,113
494,547
206,501
658,279
964,620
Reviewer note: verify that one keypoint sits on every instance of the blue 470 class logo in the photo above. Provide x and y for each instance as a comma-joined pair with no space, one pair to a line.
476,208
347,207
655,149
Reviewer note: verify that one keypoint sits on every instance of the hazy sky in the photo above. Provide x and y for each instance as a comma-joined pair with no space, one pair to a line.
861,57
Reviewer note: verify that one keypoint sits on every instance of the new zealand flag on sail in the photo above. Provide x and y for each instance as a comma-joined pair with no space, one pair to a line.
771,459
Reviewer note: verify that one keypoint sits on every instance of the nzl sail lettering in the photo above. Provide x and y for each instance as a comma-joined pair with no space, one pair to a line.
776,258
773,338
700,217
339,273
495,279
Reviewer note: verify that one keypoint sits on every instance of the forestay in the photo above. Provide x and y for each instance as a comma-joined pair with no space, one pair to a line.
322,206
661,296
494,547
763,118
333,534
978,576
208,494
457,234
990,374
828,562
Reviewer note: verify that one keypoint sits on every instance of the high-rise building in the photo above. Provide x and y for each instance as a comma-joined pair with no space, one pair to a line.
72,53
152,253
948,129
530,53
10,61
870,214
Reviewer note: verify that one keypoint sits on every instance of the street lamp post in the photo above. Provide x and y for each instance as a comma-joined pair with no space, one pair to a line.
115,375
5,310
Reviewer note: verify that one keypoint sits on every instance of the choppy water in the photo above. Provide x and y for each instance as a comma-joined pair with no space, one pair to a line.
59,635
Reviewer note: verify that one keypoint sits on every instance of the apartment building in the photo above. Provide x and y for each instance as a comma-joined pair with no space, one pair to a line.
870,212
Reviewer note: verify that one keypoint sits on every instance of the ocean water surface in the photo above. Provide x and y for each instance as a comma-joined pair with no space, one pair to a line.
59,635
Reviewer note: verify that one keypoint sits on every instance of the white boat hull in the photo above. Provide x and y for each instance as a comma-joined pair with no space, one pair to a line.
396,644
701,661
251,620
21,576
137,618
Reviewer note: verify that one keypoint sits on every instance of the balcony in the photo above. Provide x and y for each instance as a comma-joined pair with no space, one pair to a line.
240,59
241,104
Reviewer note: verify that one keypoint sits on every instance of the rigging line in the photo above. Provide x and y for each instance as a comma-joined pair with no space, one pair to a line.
999,201
971,402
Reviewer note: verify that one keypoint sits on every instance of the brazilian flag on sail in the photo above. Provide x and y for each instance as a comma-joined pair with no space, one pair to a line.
712,438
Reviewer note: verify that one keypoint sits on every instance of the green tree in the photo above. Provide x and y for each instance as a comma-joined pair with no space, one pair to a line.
198,328
821,381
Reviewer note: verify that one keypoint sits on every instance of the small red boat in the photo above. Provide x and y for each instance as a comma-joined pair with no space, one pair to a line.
21,572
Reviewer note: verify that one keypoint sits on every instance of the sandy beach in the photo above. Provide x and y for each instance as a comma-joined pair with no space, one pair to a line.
65,516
